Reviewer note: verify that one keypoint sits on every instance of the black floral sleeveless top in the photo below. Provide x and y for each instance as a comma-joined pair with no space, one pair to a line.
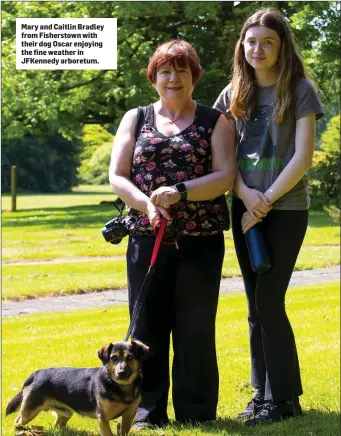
163,161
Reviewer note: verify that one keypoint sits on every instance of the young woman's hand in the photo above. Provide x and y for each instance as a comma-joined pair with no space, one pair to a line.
165,196
249,221
257,204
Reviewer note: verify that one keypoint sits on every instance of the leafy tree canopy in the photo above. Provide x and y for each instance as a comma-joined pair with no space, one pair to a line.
95,157
330,140
43,103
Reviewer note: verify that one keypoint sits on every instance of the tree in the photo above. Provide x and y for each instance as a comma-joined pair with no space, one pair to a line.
316,26
45,103
40,101
95,158
95,171
330,139
45,165
326,186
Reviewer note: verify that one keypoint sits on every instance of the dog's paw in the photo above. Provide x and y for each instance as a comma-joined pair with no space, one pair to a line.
24,430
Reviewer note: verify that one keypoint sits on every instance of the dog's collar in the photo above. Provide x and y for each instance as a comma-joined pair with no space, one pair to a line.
108,376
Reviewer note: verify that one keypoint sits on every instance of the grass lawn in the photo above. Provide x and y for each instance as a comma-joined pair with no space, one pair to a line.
67,226
80,195
92,276
72,338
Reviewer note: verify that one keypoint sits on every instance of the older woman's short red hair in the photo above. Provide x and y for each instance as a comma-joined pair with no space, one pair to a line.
176,51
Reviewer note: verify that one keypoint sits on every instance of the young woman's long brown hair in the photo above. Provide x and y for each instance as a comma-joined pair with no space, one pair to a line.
290,67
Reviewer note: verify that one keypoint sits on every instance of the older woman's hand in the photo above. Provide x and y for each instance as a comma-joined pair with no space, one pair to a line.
165,196
248,221
155,213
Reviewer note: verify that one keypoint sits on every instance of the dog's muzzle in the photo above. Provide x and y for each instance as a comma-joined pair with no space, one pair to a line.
123,374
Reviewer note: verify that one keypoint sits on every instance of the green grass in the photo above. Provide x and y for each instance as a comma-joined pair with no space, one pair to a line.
72,338
80,195
67,226
92,276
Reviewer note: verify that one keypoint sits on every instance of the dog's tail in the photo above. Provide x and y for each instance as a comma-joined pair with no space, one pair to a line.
13,405
15,402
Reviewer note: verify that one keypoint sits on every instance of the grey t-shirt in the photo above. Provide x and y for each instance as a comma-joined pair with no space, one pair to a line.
265,147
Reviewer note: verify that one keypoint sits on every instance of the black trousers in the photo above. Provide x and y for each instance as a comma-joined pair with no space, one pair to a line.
274,360
182,301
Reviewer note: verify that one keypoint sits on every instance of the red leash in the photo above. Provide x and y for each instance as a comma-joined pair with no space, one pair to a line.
147,279
159,236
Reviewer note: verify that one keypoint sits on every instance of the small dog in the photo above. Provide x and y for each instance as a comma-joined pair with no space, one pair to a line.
103,393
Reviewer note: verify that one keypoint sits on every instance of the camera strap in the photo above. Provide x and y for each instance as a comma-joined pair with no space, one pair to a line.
147,279
119,205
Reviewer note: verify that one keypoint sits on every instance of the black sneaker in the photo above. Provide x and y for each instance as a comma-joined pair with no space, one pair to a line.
273,413
252,407
297,407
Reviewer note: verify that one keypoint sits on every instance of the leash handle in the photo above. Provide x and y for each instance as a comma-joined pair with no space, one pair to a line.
158,240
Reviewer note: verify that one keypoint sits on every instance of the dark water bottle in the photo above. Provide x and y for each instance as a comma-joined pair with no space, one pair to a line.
258,252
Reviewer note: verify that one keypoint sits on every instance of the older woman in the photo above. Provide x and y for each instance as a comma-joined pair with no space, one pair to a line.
181,164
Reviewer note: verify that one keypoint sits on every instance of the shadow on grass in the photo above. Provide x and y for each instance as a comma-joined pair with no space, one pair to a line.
68,432
97,216
61,217
312,423
32,430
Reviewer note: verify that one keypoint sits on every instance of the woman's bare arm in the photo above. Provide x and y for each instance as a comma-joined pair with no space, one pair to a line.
300,162
120,169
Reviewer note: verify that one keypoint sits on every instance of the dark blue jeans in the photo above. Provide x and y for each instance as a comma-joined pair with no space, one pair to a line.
274,361
182,302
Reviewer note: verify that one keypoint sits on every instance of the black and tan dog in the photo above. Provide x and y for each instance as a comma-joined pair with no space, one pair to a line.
103,393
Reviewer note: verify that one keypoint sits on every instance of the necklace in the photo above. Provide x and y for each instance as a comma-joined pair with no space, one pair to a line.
265,89
169,121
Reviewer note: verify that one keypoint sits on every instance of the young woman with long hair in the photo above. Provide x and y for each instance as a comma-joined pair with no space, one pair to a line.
275,107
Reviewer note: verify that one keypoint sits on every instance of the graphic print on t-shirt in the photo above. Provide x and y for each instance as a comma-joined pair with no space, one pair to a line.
256,142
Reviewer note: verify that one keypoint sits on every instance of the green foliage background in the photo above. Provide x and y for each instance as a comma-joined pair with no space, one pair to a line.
44,163
325,186
42,104
95,157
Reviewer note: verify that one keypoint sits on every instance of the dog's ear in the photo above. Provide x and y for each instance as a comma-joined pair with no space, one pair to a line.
139,348
104,353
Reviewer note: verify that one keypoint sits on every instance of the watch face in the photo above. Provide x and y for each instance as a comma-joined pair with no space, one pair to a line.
181,187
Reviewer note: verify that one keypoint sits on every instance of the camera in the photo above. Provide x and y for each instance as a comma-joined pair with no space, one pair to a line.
115,230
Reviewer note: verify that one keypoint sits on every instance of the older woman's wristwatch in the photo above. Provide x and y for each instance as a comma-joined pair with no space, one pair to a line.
182,190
